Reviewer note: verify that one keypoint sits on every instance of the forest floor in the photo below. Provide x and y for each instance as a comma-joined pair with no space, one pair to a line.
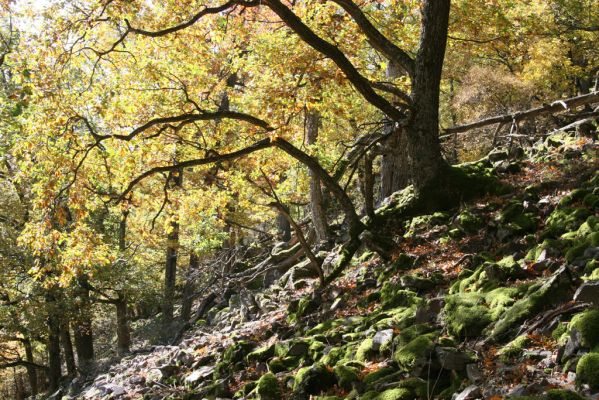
496,299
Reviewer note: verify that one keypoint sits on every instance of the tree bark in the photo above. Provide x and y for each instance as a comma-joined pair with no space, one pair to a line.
422,133
122,317
317,207
122,325
395,170
194,263
367,185
67,348
170,268
31,370
83,332
54,364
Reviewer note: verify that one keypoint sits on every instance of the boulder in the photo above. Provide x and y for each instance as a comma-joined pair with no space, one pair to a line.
470,393
199,374
588,292
312,380
382,339
452,359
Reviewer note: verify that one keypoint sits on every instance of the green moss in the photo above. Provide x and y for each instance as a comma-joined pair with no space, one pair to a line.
268,387
392,295
261,354
306,306
469,222
365,350
346,376
564,219
466,314
587,323
416,352
313,379
395,394
374,376
333,356
237,352
278,364
538,297
515,348
587,370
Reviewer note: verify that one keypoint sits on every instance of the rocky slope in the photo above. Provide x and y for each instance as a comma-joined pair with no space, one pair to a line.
498,299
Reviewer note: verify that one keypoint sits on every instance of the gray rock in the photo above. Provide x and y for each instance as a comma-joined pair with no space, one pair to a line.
114,390
382,338
588,292
591,253
472,392
199,374
498,155
452,359
298,349
474,373
154,375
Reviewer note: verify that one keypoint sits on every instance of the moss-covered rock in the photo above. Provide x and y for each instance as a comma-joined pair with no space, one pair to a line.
515,348
560,394
395,394
393,295
237,352
587,324
346,376
466,314
587,370
374,376
267,387
365,350
564,219
278,364
313,380
262,354
555,289
416,353
469,222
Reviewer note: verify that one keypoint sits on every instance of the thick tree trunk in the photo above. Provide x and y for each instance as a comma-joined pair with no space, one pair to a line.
283,228
122,325
422,133
82,331
170,268
54,364
67,349
317,208
194,263
31,370
395,172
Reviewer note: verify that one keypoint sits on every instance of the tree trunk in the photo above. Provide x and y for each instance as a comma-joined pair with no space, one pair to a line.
82,331
422,133
31,370
367,185
395,172
283,228
122,325
170,268
67,349
194,263
54,364
317,208
122,317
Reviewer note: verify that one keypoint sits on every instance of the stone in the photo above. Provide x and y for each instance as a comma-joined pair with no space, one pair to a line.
452,359
472,392
381,339
591,253
474,373
154,375
572,345
298,349
199,374
115,390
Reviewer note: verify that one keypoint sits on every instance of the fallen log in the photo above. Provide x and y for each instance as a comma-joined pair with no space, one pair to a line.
554,107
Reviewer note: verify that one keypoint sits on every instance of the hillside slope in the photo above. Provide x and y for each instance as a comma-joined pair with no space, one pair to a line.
498,299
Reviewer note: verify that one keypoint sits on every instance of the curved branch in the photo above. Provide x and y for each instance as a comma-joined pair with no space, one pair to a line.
361,84
188,118
188,23
376,39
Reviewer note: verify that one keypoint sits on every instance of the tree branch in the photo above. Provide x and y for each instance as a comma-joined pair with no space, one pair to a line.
376,39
